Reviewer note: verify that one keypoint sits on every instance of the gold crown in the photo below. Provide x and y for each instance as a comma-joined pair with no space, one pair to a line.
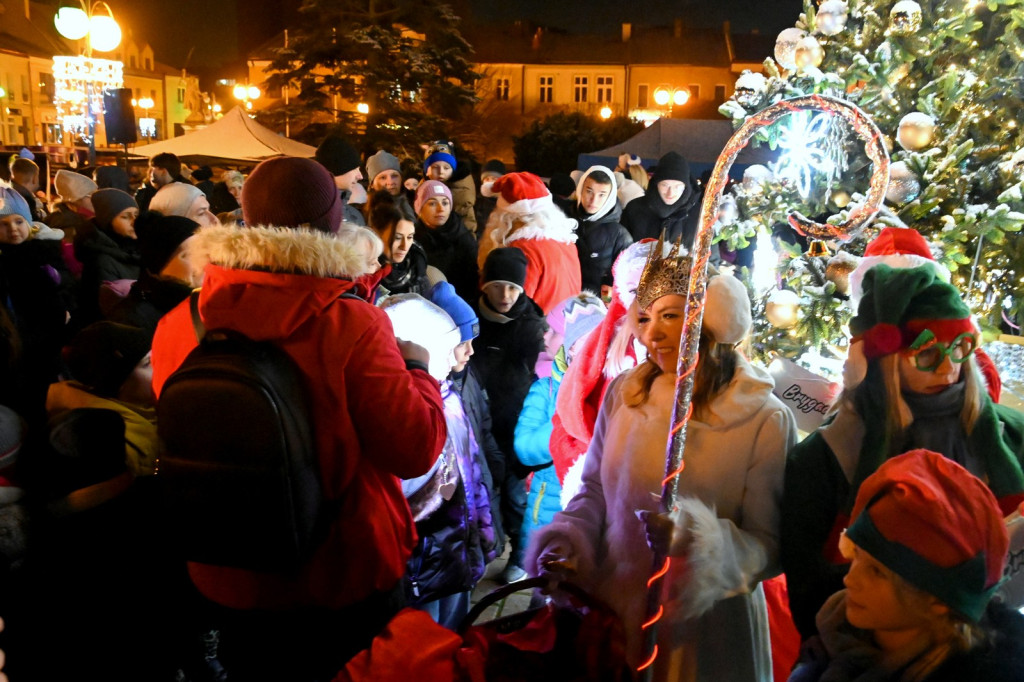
663,274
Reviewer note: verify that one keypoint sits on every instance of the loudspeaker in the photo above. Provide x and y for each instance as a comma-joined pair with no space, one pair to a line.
119,117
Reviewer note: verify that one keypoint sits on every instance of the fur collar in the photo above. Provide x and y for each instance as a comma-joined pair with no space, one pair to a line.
277,249
562,231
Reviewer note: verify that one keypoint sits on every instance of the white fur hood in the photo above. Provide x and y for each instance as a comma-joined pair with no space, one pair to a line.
277,249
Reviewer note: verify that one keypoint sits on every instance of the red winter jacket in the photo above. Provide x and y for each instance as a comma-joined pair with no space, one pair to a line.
375,420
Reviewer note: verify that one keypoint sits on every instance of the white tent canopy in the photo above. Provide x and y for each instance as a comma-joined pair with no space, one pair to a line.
234,138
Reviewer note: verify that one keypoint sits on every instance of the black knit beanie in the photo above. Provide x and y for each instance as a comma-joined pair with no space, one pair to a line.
160,236
103,355
671,166
337,155
108,204
505,265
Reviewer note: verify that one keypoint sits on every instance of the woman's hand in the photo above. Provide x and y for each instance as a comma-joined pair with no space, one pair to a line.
664,537
555,563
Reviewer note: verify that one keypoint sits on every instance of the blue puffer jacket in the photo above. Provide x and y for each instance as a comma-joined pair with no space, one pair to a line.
533,433
456,541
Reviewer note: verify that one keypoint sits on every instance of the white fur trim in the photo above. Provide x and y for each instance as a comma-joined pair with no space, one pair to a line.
573,481
563,231
524,206
572,540
704,553
277,249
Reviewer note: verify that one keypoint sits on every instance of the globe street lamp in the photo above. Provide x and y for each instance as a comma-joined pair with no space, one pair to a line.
246,93
80,81
671,97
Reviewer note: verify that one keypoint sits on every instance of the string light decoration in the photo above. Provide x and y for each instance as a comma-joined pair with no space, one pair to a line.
79,85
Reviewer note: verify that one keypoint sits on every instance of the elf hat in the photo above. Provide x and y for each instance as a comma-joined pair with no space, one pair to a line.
897,247
521,193
439,151
935,525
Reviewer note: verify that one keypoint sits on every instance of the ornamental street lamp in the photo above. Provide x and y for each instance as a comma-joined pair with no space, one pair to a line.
671,97
79,82
246,94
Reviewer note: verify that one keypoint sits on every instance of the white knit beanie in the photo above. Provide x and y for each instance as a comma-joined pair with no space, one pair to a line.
175,199
72,186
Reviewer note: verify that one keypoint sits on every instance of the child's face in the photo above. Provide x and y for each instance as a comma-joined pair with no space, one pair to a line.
440,171
14,229
463,352
873,599
553,341
502,296
124,223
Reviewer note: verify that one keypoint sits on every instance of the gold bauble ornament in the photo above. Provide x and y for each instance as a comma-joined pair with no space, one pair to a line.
838,270
916,131
809,53
782,309
841,198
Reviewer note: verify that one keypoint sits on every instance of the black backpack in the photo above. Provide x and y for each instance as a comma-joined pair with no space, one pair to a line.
238,466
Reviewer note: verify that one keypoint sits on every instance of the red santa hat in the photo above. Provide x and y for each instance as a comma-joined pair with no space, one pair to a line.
519,193
897,247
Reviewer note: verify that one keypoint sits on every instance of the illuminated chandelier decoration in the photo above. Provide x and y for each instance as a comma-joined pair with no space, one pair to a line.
79,84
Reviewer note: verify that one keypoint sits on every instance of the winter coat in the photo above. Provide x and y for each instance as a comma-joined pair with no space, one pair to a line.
407,277
843,653
351,214
483,208
552,264
149,299
105,257
730,490
815,510
463,200
477,405
452,249
599,243
456,541
647,216
504,356
532,436
222,200
375,420
140,439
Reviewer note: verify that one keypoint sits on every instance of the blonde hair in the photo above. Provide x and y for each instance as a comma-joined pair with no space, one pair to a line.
638,175
716,365
356,234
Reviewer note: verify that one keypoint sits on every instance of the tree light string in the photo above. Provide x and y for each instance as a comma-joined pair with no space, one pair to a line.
693,313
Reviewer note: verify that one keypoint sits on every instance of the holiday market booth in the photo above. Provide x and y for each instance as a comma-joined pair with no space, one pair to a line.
234,139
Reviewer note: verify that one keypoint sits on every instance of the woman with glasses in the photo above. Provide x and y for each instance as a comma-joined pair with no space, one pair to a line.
911,382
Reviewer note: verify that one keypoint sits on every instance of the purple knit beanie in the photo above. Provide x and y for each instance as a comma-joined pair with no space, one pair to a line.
287,191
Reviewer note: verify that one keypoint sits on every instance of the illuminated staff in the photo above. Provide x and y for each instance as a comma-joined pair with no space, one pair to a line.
693,313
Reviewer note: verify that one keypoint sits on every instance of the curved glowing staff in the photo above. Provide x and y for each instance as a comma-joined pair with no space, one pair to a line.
856,221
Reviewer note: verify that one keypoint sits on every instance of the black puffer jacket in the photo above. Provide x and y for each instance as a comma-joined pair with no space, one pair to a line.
148,301
647,216
504,355
599,243
105,257
452,249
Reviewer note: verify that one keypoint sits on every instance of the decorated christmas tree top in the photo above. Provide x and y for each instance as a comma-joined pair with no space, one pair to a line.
943,80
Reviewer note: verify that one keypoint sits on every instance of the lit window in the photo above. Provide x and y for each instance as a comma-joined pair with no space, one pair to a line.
580,84
547,89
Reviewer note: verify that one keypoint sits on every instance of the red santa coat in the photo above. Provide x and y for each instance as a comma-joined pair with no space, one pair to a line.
374,420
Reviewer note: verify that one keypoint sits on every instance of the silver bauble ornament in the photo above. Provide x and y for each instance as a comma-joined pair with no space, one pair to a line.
808,53
905,17
785,47
904,185
782,308
831,17
755,176
916,131
750,89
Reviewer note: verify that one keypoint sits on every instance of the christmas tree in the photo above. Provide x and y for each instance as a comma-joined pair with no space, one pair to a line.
943,80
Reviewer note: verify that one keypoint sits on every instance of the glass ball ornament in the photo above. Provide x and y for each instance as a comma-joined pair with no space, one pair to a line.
809,52
916,131
904,185
905,17
750,89
831,17
841,198
782,308
785,47
728,210
755,177
838,270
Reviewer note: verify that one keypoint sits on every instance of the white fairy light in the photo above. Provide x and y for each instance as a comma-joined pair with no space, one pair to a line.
803,150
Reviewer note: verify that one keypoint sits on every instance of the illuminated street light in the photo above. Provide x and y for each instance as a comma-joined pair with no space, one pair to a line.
75,23
672,98
661,97
681,96
363,108
246,94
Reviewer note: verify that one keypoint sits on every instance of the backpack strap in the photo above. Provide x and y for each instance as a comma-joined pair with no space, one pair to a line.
197,321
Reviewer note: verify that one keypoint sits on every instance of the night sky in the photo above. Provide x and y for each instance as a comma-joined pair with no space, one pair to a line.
212,37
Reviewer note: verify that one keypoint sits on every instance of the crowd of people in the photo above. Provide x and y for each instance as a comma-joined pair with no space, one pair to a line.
489,362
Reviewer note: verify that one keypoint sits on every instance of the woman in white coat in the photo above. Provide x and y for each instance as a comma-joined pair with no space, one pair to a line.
725,538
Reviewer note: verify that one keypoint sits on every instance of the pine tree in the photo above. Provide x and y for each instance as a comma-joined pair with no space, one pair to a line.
943,80
405,59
